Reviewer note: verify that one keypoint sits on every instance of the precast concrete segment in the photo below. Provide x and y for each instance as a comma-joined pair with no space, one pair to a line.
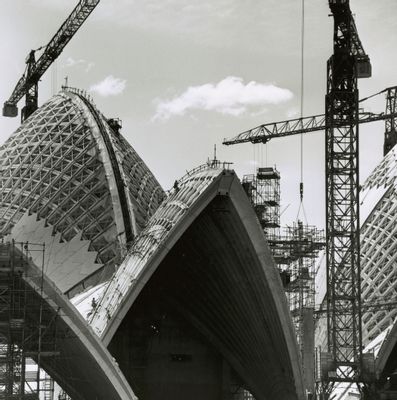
230,290
138,191
64,262
180,205
379,245
83,367
66,165
112,170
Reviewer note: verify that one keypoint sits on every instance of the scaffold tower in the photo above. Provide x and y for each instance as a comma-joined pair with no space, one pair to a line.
295,250
263,190
25,330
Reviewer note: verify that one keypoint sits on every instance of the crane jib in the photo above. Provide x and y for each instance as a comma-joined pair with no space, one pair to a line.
52,50
273,130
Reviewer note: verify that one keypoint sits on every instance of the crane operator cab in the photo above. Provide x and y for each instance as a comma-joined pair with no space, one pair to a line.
364,69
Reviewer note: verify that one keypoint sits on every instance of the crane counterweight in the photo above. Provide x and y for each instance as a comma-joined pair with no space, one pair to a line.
10,109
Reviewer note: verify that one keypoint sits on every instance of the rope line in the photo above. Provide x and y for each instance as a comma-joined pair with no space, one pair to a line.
302,83
302,89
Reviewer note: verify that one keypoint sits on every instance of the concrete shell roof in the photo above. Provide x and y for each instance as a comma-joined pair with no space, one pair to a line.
66,165
74,356
230,289
378,212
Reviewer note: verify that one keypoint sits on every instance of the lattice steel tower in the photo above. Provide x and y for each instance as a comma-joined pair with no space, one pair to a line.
348,63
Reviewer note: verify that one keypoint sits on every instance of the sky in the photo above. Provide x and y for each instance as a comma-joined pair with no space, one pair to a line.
182,75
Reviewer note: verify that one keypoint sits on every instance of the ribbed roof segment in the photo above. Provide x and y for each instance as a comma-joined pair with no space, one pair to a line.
379,245
204,252
69,167
167,216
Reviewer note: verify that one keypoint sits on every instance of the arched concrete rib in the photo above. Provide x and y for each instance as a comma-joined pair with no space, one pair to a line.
66,165
76,358
239,304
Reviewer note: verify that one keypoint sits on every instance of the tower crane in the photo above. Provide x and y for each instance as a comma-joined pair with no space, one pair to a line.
348,63
344,361
28,84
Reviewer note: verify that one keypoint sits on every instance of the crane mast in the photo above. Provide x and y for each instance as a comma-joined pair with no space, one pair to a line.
348,63
28,83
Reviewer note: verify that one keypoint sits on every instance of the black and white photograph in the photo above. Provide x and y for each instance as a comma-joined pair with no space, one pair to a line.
198,200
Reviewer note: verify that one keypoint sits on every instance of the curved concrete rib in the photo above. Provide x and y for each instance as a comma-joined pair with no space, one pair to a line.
76,359
227,287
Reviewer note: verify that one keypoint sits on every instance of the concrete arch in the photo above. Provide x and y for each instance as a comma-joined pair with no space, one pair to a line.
204,255
67,348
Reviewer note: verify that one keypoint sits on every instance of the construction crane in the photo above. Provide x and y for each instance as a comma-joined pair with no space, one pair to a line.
348,63
265,132
344,361
28,83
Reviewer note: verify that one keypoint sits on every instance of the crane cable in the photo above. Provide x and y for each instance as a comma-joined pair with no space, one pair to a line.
301,207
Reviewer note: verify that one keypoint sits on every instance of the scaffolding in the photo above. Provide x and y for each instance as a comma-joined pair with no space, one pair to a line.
25,328
294,250
263,190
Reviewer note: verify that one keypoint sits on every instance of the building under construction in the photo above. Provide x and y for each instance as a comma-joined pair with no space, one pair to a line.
113,288
159,314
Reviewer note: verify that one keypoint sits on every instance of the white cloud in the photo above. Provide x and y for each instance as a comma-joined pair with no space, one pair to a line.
230,96
110,86
71,62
